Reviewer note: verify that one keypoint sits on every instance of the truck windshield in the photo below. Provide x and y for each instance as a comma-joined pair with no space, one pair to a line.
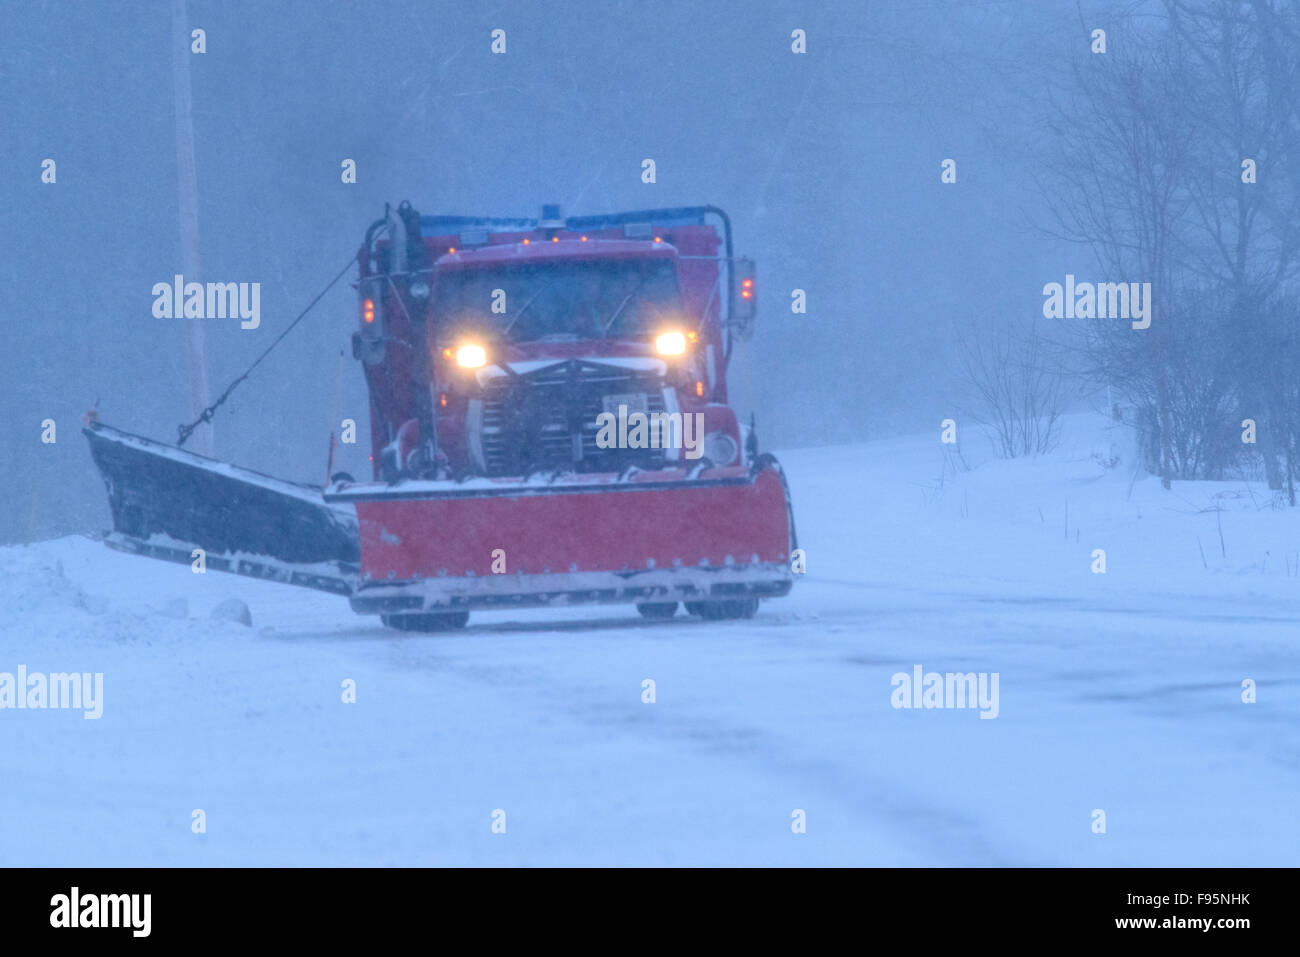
581,299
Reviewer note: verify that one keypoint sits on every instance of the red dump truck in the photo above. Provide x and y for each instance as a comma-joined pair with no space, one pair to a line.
549,426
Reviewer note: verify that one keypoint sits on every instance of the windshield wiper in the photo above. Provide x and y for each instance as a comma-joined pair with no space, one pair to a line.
621,306
511,324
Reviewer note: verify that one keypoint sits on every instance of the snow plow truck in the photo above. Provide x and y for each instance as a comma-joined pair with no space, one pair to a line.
549,424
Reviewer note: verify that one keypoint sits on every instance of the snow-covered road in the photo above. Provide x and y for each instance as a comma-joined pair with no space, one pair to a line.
1120,692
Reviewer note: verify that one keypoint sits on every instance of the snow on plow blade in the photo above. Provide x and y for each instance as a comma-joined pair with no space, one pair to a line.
722,533
425,546
166,502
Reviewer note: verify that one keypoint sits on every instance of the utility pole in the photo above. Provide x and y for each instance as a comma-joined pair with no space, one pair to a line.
187,186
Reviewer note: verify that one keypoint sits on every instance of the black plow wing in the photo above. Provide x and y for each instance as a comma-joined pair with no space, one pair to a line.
166,502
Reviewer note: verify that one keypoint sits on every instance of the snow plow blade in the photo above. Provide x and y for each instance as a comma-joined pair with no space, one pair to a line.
717,534
166,502
416,547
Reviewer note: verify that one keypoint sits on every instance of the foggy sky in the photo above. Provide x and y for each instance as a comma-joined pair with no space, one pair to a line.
828,163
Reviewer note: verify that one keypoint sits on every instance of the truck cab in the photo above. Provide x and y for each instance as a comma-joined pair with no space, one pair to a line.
498,348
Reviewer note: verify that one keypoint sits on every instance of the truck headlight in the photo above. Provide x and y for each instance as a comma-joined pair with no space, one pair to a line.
670,344
471,357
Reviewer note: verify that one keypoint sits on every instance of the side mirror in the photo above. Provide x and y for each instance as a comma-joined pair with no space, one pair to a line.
744,298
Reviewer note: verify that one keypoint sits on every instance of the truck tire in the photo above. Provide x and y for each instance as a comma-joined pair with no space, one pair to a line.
657,609
437,621
724,608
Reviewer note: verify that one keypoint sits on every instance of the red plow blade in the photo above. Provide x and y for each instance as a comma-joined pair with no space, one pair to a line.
652,536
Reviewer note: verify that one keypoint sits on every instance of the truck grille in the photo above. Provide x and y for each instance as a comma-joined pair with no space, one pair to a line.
547,419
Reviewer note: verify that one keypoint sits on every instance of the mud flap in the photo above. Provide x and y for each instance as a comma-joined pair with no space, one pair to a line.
166,502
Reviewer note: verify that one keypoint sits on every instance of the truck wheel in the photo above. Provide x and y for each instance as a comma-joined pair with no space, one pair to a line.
724,608
657,609
438,621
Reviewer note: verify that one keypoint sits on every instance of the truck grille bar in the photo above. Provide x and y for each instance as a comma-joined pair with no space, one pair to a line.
547,419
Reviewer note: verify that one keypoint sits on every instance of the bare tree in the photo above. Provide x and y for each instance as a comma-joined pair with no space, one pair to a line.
1016,388
1111,183
1174,158
1242,63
